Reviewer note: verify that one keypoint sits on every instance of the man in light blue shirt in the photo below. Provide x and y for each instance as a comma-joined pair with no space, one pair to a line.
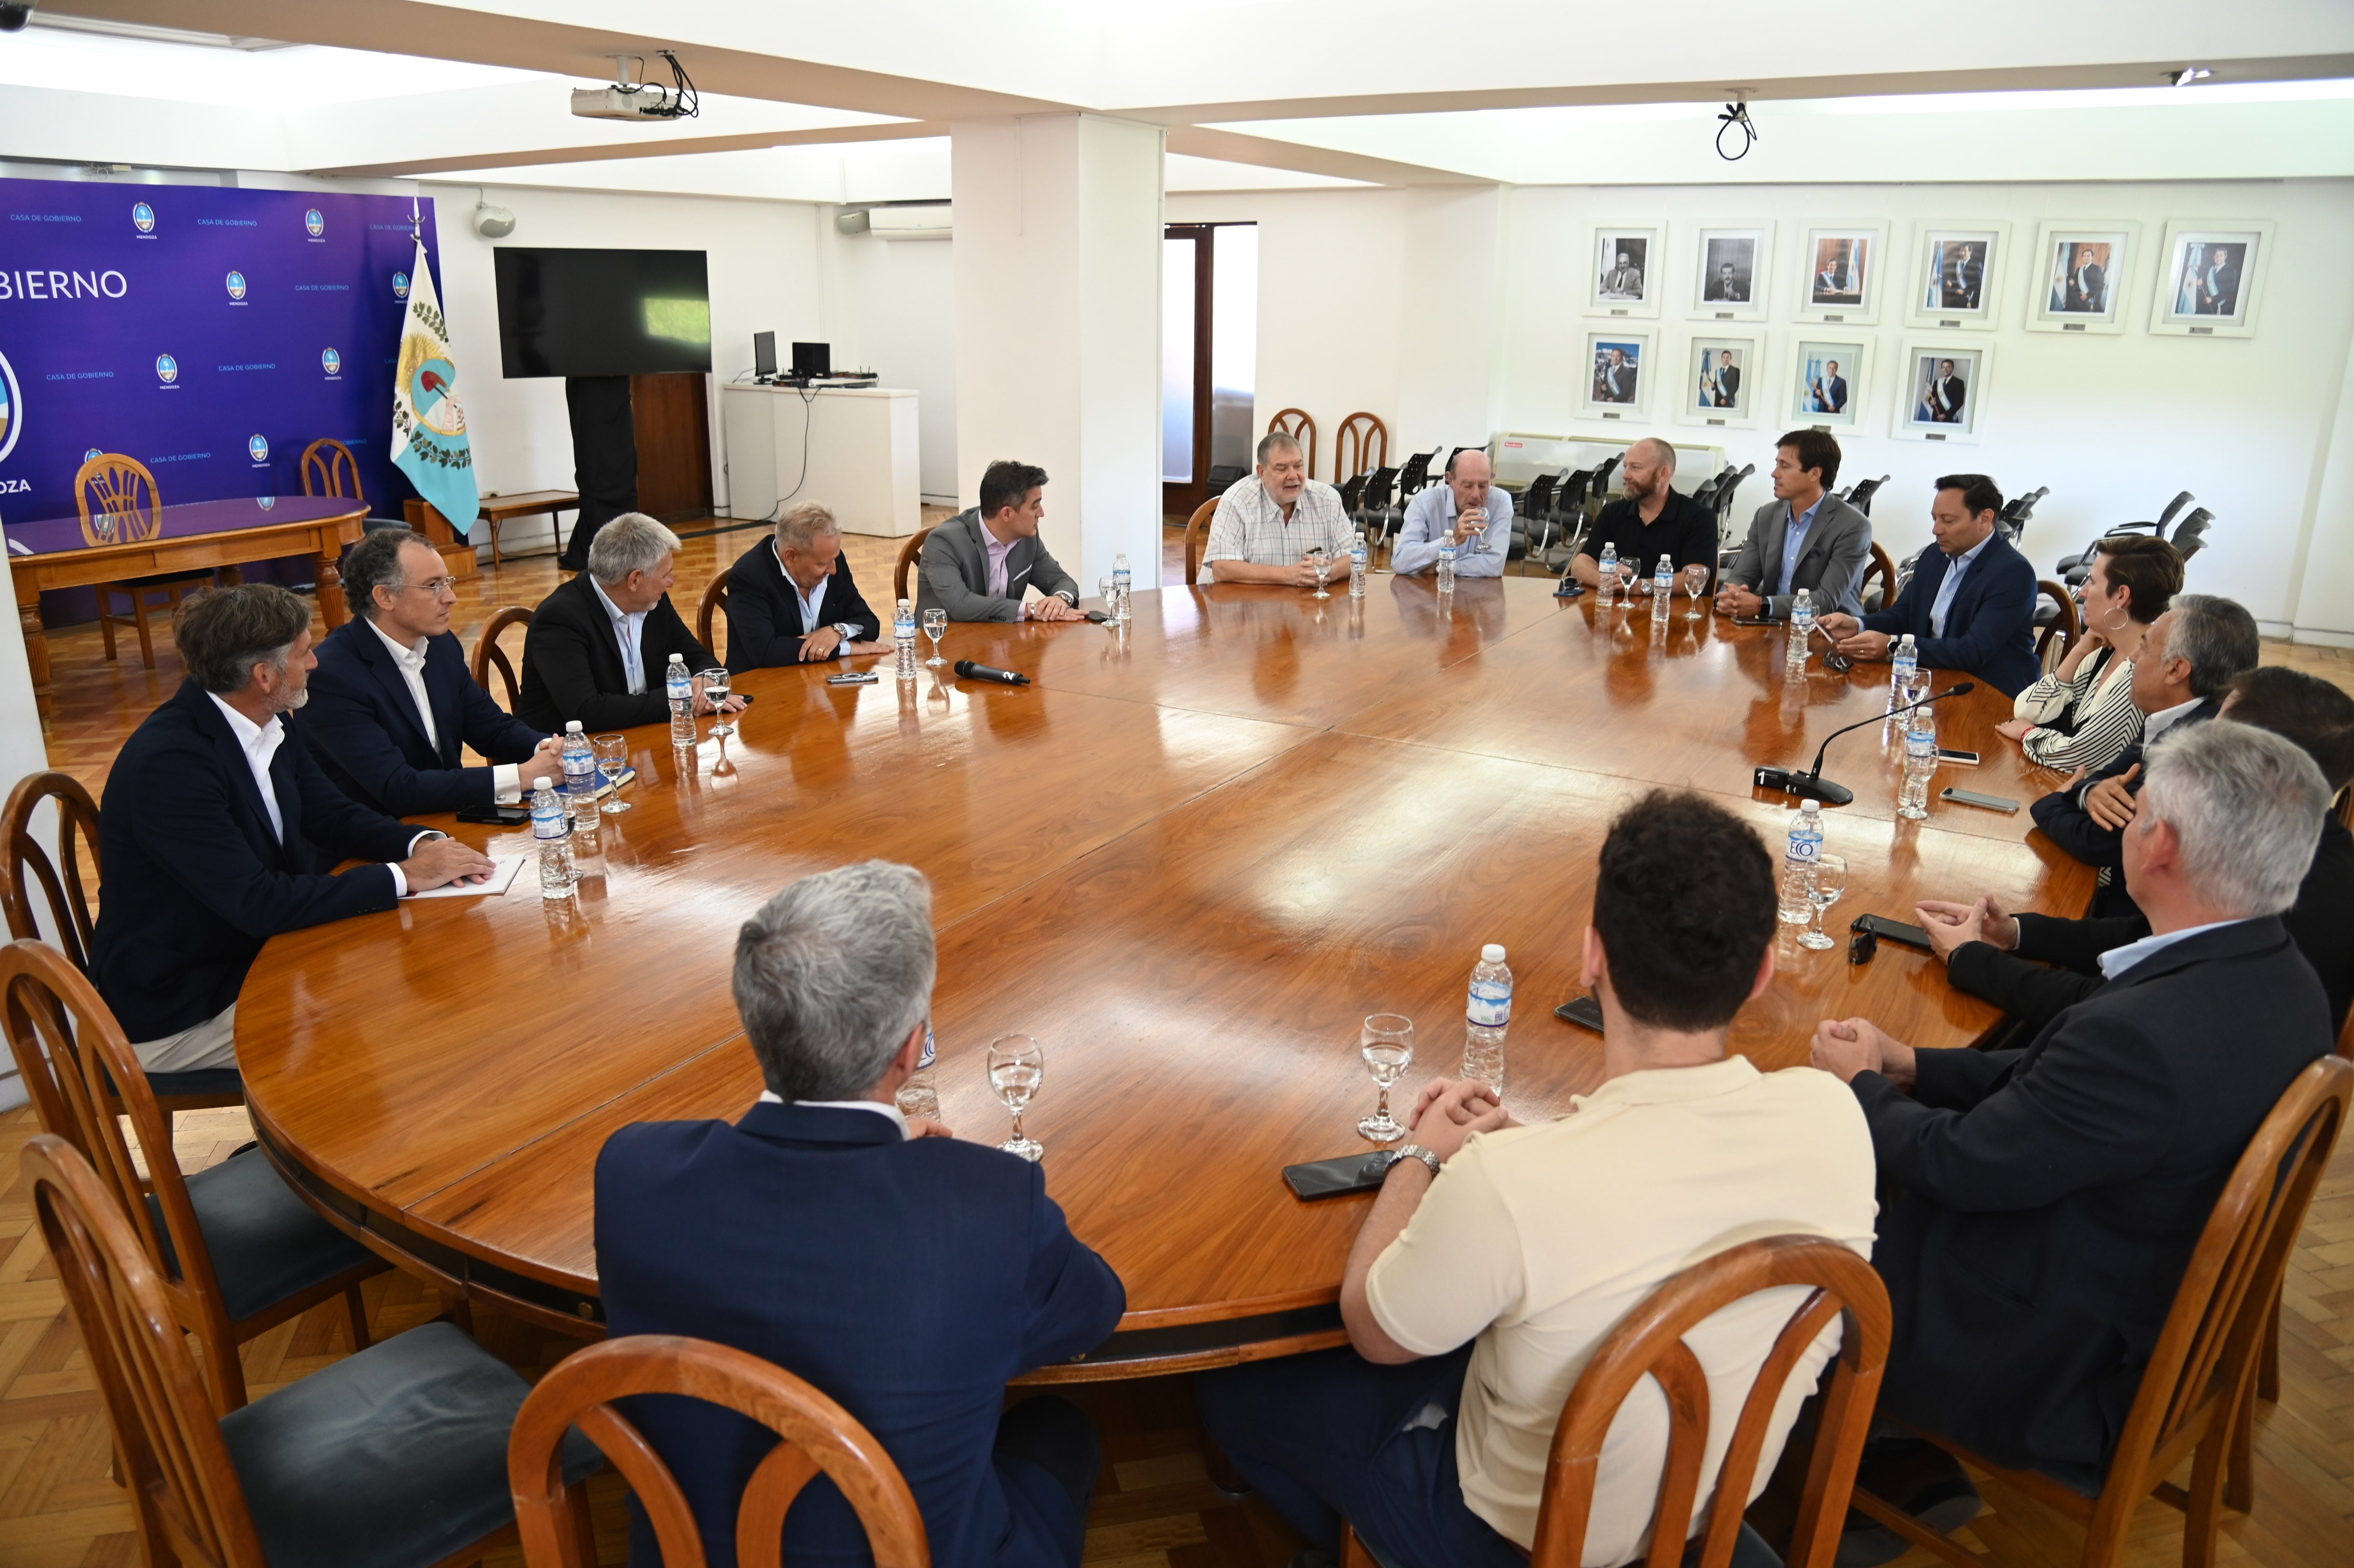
1468,509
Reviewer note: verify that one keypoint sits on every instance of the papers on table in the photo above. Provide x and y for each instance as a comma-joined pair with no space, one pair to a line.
502,875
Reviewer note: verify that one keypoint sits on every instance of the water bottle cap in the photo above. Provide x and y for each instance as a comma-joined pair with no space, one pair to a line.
540,784
1810,808
678,658
572,726
1493,953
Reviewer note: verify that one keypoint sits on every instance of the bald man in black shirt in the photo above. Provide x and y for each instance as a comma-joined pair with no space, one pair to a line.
1649,520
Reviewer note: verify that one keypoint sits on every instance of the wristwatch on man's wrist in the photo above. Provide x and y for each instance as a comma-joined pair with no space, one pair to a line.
1412,1152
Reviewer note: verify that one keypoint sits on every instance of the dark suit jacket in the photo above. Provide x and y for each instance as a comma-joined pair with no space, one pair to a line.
195,881
954,575
2039,1206
1990,625
909,1280
764,615
1728,387
363,726
572,665
1835,394
1954,391
2061,814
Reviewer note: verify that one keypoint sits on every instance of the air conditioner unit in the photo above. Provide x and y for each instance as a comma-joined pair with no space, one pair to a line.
918,220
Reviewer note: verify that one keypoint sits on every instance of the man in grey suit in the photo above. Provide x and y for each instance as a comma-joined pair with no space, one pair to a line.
977,564
1803,538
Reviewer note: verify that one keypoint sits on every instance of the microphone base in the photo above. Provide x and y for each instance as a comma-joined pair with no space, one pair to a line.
1803,786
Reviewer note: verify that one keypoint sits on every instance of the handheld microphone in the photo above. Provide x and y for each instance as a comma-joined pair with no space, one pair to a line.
970,671
1812,785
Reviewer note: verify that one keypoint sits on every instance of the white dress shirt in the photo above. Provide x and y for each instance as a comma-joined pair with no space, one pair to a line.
2158,723
506,777
898,1117
2117,960
629,631
259,742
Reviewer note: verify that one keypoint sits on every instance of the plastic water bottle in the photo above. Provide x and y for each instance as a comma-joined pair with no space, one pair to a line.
918,1096
1489,1015
1663,587
1798,863
579,774
1920,763
1901,665
680,684
1122,581
1446,566
903,633
553,832
1608,570
1359,562
1802,629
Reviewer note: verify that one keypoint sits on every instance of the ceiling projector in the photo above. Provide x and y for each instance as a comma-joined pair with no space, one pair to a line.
627,99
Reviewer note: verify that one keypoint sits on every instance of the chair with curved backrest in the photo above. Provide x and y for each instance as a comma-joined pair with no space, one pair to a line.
1415,477
909,554
489,656
1650,1342
236,1251
2017,511
2191,535
328,468
2060,625
1361,445
393,1457
128,511
69,919
1602,471
2197,1391
1861,496
714,601
1352,490
1197,534
1296,423
1880,571
2181,500
818,1436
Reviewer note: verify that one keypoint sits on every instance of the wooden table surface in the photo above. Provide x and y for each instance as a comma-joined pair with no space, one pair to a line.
1189,860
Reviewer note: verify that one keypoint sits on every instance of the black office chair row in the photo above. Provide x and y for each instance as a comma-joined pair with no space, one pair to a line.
2189,536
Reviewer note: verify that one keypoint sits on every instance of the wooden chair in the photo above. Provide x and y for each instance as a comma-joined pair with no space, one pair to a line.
1648,1342
327,1470
1361,445
2268,1362
1295,423
714,601
489,656
237,1253
69,916
909,553
1883,570
329,469
1197,534
819,1437
128,510
2197,1399
2059,633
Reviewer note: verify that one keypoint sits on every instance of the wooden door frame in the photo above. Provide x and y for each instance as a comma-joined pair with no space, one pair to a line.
1179,499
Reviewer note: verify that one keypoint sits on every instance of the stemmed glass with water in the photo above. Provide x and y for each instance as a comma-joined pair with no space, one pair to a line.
1695,579
613,756
1823,890
1628,569
936,626
714,686
1319,561
1387,1045
1017,1065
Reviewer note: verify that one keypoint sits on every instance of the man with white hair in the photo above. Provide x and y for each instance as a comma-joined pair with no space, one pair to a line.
906,1273
791,599
1267,523
1468,509
1651,520
2039,1207
599,645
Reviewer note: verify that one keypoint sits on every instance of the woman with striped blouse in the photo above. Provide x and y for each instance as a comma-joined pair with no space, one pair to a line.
2082,715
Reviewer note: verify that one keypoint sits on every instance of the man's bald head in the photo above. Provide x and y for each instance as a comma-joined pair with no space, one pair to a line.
1649,464
1469,477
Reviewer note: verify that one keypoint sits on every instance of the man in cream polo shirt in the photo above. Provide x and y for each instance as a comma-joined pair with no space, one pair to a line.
1497,1256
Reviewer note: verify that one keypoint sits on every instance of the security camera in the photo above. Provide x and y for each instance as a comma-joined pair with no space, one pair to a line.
493,222
13,16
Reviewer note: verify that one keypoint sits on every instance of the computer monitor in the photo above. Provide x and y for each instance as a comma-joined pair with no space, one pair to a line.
812,359
764,354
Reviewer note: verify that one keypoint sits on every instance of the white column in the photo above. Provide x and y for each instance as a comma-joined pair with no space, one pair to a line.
1057,326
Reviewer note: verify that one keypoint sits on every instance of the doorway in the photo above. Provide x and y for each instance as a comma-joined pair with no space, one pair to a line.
672,417
1209,359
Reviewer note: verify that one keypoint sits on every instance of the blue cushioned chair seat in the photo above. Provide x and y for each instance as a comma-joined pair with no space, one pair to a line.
203,1081
389,1458
266,1243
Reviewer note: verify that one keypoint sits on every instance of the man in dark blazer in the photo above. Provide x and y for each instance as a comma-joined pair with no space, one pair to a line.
1803,538
2087,286
392,702
1947,392
217,832
1830,390
1728,381
977,565
599,646
907,1275
791,599
2041,1206
1970,606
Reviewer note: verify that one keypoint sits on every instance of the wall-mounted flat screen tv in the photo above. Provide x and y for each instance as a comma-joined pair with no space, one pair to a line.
602,312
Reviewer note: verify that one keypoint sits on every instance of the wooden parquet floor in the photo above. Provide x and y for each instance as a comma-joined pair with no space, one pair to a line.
1154,1507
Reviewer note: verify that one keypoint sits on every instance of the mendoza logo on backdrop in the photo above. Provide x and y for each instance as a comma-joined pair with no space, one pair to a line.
167,369
400,285
256,448
143,218
235,282
314,224
12,407
332,363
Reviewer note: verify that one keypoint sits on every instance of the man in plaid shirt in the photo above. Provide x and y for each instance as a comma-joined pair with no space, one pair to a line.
1265,524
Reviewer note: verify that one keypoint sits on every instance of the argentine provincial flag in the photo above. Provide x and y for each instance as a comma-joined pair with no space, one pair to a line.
428,423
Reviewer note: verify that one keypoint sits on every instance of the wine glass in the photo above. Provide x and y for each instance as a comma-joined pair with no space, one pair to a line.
1319,561
714,686
613,756
1627,570
936,626
1696,582
1017,1064
1823,890
1388,1044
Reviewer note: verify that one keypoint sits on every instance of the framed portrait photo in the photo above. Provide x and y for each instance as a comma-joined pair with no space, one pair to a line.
1956,277
1825,381
2210,278
1619,373
1840,263
1732,265
1940,396
1723,381
2080,275
1626,270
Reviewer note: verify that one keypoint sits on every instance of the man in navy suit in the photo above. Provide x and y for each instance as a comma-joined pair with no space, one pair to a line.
904,1274
791,599
1970,607
392,701
218,831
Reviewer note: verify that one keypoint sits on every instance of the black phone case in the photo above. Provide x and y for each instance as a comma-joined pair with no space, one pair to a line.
1336,1177
1584,1010
496,816
1888,931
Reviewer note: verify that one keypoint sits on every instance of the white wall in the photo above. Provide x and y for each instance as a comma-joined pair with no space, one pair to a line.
891,307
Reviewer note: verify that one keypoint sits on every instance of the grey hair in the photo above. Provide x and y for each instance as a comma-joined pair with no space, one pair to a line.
225,633
1667,453
833,974
375,563
632,541
2247,806
805,525
2217,636
1273,442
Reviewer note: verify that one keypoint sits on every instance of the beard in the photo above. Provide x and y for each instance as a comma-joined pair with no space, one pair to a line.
296,701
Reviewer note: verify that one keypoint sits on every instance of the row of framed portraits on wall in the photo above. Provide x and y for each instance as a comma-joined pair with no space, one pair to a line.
1724,379
2210,279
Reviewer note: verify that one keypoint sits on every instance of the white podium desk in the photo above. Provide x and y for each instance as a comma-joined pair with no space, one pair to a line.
861,450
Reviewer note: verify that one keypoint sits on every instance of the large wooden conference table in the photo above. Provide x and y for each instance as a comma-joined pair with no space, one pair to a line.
1190,860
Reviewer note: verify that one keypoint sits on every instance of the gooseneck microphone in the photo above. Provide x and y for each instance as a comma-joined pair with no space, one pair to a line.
970,671
1812,785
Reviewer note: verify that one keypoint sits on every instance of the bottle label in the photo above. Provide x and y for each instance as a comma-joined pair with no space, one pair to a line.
929,1050
1805,847
1491,1004
549,824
